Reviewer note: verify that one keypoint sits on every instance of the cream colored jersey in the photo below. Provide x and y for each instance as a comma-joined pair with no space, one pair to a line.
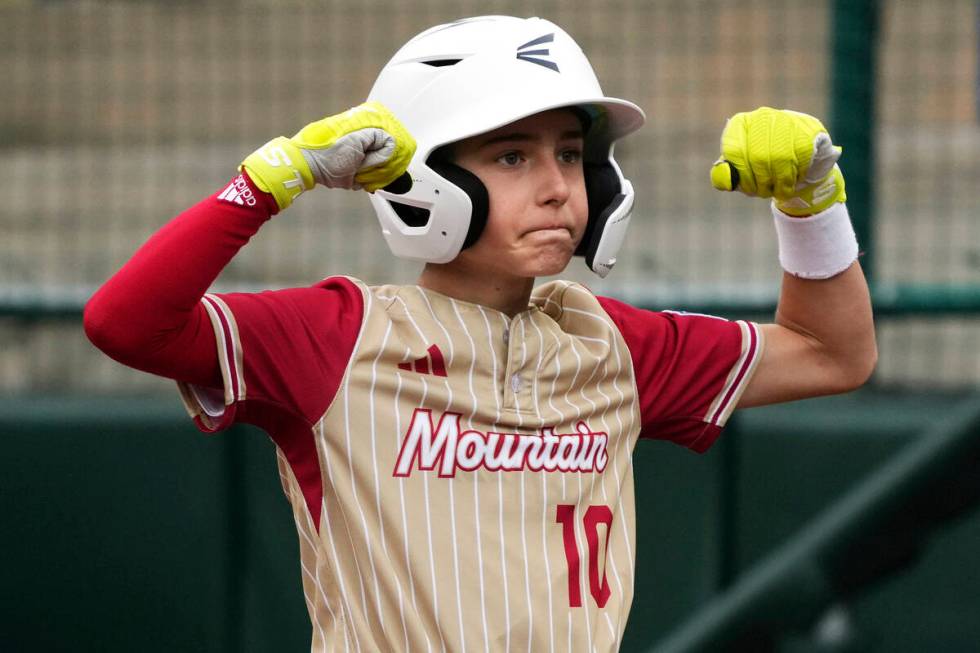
462,480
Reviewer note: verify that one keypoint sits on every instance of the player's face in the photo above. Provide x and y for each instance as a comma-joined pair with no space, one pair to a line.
532,169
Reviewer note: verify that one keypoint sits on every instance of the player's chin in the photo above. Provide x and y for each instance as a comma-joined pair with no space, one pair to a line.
546,261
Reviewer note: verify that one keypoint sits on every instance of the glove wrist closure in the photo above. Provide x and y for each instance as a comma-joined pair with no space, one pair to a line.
279,168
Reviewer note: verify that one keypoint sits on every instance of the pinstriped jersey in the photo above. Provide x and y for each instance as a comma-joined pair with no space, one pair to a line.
461,479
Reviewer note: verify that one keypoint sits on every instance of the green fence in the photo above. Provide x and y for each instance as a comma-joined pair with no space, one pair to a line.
808,587
125,529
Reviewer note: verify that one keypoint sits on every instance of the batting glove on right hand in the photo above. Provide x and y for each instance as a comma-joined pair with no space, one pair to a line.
781,154
363,147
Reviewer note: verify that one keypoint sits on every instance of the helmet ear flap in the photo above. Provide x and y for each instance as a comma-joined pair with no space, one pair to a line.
602,185
610,205
474,188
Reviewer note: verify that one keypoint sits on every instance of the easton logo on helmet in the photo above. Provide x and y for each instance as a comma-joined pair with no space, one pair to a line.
533,55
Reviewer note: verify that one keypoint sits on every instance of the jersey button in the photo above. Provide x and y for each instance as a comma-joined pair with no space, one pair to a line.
506,336
515,383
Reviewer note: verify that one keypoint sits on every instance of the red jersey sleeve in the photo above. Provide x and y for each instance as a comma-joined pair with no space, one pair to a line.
284,350
690,370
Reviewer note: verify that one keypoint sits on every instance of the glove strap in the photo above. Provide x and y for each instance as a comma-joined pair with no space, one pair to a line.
816,198
817,247
278,167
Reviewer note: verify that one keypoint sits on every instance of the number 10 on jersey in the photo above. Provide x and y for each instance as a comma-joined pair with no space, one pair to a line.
595,515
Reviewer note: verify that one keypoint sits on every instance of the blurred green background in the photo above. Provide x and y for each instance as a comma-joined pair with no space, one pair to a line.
122,529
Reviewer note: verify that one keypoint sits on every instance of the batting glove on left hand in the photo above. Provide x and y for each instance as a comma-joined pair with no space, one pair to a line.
364,147
781,154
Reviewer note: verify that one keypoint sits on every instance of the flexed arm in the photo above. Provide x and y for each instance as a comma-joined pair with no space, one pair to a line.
823,338
149,315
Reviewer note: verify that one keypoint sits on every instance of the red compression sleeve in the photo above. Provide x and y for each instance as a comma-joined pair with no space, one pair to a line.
148,315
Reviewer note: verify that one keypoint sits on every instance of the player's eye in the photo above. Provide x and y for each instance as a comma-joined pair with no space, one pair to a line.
509,159
570,155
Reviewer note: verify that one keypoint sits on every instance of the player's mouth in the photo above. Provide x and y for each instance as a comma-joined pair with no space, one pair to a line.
551,230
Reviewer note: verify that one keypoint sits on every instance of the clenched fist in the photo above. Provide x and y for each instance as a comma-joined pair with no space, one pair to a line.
782,154
364,147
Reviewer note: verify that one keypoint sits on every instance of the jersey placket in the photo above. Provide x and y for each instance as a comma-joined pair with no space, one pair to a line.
522,348
516,360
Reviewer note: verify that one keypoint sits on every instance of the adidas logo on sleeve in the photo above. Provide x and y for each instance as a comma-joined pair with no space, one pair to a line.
238,192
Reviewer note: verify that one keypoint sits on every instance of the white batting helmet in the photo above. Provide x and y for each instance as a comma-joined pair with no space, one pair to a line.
469,77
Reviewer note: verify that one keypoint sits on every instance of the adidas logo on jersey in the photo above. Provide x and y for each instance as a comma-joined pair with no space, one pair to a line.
238,192
432,363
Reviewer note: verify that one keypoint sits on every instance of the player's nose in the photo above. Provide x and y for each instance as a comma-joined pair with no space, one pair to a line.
554,185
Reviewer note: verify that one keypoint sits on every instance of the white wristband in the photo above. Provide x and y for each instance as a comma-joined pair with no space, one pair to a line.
816,247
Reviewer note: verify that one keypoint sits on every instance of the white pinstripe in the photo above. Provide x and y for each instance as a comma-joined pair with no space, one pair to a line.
615,631
452,496
401,609
583,348
449,339
527,572
213,305
583,578
619,443
360,508
377,487
401,490
425,486
324,451
595,368
569,631
545,525
606,371
602,484
548,300
612,629
559,419
476,481
306,599
605,497
326,520
500,482
314,578
578,502
626,466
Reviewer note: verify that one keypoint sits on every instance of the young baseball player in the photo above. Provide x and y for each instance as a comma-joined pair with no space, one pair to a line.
457,452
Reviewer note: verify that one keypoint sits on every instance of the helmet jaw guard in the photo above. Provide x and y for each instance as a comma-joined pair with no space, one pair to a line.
466,78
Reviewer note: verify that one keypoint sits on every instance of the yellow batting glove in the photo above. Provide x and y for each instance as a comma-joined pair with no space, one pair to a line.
363,147
781,154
